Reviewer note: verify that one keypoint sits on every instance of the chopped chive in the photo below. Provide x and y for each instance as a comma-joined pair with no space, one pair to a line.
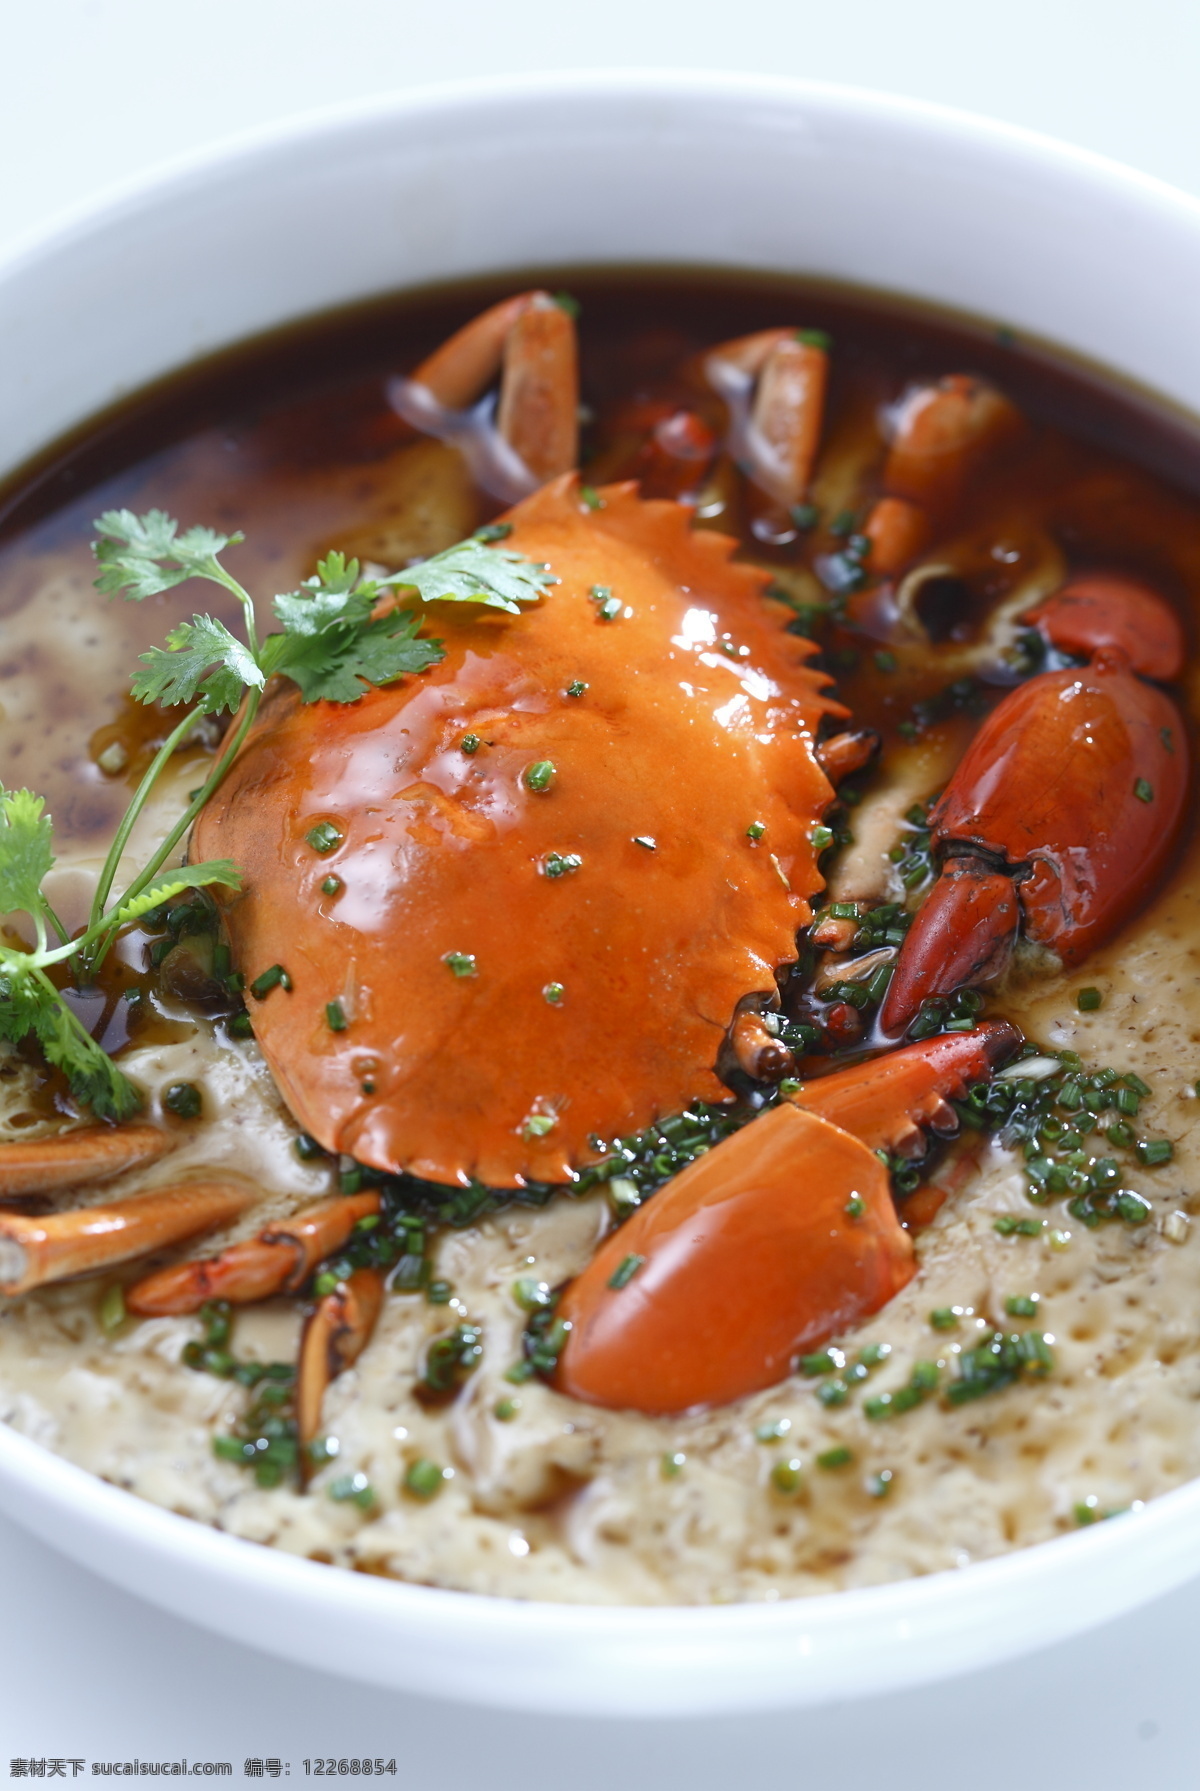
1153,1151
821,837
273,977
324,836
1088,1000
506,1409
872,1354
591,497
772,1430
855,1207
241,1025
672,1464
756,830
815,339
820,1363
531,1294
424,1478
470,744
560,864
184,1100
352,1488
539,776
837,1457
833,1393
537,1125
623,1274
1022,1305
331,886
460,963
786,1477
945,1318
335,1016
1143,791
553,993
576,688
111,1311
1135,1082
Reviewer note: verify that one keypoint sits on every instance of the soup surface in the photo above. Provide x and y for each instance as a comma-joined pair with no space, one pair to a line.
1051,1219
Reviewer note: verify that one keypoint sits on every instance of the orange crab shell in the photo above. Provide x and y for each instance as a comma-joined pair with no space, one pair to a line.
696,724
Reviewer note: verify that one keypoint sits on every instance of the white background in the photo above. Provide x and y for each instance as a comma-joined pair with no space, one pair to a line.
97,91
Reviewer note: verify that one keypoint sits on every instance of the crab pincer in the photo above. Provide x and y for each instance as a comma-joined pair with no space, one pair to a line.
1066,806
773,384
278,1260
778,1238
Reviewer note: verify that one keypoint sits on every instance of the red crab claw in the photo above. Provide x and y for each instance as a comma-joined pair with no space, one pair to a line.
1066,806
528,342
765,1247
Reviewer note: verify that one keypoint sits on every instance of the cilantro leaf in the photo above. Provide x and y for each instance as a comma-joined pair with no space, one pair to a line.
473,572
343,660
173,883
139,556
334,595
29,1002
25,851
176,673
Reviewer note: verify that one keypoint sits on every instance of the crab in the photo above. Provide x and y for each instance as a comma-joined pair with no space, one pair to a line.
535,898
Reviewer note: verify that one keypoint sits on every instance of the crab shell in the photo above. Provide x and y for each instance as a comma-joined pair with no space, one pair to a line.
697,723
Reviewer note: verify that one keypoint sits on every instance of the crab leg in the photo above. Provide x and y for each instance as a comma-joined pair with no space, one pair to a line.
54,1247
92,1154
941,435
529,343
1066,806
335,1334
760,1250
278,1260
773,383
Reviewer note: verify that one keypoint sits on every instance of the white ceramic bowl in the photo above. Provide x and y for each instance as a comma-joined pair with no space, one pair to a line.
618,169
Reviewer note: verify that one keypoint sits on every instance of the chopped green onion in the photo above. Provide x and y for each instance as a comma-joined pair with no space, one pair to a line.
576,687
273,977
424,1478
460,963
837,1457
553,993
623,1274
470,744
672,1464
821,837
506,1409
786,1477
1088,1000
324,836
111,1311
184,1100
1022,1305
855,1207
539,776
331,886
1143,791
1153,1151
355,1488
756,830
335,1016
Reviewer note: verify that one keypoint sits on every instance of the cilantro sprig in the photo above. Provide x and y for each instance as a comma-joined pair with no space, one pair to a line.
340,635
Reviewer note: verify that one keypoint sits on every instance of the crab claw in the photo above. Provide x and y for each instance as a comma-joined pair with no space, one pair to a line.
1063,811
279,1260
90,1154
770,1243
335,1335
1107,609
529,343
34,1251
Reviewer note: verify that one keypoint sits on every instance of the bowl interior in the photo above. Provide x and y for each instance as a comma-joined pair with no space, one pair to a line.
609,171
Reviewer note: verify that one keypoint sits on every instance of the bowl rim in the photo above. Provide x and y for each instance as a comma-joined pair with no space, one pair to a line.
596,1658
